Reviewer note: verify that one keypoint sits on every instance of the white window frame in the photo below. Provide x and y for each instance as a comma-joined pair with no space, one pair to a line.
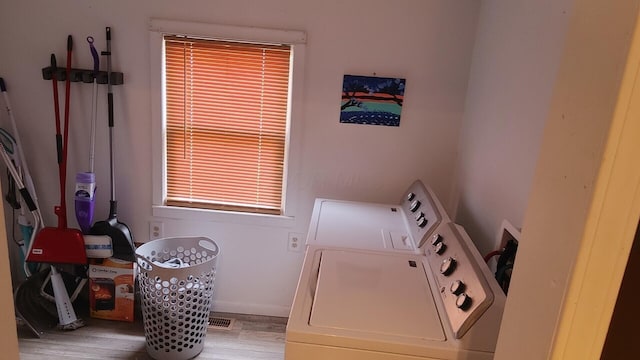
297,39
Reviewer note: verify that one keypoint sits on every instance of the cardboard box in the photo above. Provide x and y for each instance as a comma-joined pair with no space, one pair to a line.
111,289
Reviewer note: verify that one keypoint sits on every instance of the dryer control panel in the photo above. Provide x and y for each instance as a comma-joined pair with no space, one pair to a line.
423,212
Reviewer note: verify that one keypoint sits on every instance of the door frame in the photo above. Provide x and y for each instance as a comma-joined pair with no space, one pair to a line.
610,228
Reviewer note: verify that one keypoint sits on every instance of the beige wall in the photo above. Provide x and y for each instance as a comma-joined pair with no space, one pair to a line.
515,60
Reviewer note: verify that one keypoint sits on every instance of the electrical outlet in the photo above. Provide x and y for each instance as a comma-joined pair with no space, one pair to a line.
156,230
295,242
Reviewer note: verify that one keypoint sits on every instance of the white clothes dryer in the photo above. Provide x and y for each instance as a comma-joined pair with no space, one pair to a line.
400,227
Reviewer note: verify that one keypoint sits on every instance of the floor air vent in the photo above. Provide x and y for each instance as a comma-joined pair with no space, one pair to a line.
220,323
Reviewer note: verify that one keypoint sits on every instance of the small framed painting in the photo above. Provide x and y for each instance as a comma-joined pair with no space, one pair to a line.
371,100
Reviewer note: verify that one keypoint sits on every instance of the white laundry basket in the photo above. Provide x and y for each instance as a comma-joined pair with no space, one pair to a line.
176,278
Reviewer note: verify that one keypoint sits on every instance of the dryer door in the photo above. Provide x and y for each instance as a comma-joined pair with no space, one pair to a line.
359,226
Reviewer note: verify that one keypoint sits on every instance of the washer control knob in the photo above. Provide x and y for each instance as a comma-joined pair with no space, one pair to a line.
419,215
436,238
457,287
440,248
411,196
422,222
447,266
463,301
415,205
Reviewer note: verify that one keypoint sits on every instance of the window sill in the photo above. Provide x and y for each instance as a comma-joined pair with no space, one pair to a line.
188,214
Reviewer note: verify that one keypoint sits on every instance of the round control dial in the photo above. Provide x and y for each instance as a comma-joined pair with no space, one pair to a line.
422,222
447,266
440,248
419,215
411,196
463,301
415,205
457,287
436,238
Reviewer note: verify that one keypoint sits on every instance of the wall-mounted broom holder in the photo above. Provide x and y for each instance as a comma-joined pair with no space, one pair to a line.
82,75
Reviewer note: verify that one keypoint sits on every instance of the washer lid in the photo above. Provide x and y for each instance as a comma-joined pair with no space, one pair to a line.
375,293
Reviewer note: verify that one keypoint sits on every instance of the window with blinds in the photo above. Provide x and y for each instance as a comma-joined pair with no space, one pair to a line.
226,106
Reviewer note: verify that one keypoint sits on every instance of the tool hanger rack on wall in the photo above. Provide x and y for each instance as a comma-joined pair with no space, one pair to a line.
82,75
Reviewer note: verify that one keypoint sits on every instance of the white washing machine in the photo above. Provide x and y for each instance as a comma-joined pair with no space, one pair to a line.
391,282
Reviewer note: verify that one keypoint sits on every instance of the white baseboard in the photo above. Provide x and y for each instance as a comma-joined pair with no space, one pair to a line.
253,309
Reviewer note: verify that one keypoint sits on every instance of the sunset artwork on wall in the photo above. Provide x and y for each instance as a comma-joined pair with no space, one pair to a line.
371,100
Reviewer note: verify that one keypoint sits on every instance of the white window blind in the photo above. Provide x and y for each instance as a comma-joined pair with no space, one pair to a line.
226,122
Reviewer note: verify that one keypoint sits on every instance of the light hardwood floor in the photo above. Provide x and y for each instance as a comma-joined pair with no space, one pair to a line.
250,338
